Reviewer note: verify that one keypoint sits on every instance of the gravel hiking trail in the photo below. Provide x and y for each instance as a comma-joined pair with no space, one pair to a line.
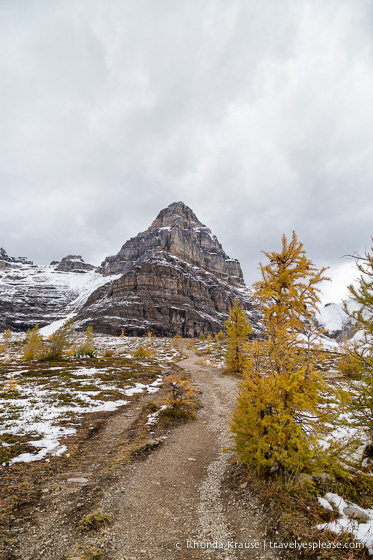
173,504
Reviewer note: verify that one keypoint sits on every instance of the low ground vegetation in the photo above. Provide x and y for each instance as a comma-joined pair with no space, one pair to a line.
181,401
294,512
87,346
43,402
120,375
94,521
302,425
212,352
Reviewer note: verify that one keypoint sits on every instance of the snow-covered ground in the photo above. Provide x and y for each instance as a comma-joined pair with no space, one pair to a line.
46,401
212,353
361,528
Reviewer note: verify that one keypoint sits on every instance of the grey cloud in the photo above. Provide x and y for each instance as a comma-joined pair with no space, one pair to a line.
256,114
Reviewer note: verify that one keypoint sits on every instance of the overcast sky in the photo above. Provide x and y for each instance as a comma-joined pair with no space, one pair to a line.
258,114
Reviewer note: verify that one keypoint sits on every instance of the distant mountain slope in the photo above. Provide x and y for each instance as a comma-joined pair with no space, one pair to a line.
337,324
31,294
174,278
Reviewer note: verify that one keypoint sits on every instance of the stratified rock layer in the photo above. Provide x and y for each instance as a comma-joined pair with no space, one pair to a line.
6,261
175,279
177,231
31,294
165,295
74,263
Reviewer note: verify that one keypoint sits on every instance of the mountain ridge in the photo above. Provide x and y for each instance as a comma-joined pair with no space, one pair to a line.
174,278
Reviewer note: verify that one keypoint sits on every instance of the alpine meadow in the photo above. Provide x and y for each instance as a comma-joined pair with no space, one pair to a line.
186,344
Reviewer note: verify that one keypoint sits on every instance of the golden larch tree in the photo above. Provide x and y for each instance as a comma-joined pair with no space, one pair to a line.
238,329
277,418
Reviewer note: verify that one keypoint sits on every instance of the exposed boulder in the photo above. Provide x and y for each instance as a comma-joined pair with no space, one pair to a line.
354,512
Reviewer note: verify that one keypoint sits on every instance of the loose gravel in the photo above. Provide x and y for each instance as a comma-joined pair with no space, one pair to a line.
171,505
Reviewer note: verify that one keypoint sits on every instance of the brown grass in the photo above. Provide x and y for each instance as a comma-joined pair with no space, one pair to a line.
292,503
94,521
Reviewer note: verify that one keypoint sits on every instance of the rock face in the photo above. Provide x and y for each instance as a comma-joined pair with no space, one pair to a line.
6,261
177,280
172,279
73,263
165,295
31,294
177,231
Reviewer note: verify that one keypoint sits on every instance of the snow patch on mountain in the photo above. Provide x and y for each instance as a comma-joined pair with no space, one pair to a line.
31,294
335,321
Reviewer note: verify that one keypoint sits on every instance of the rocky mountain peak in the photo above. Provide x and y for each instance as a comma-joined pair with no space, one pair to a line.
175,214
73,263
3,255
6,260
172,279
176,231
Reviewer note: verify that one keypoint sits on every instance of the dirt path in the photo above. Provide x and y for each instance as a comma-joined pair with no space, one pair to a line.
171,505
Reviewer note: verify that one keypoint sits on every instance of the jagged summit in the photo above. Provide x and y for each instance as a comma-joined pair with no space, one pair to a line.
73,263
6,260
175,279
172,279
178,231
174,214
